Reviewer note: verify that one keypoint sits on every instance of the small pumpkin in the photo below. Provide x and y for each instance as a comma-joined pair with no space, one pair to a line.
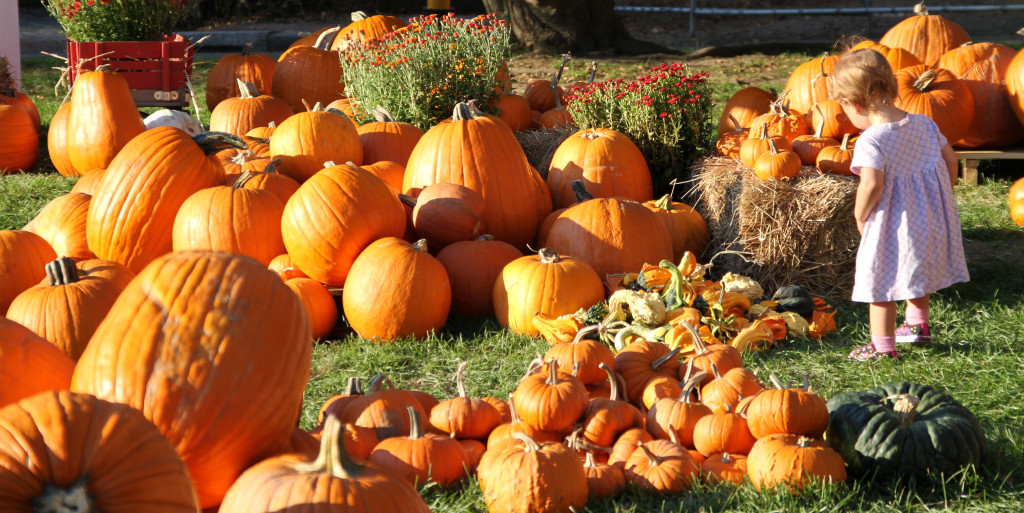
742,107
309,74
21,142
530,477
725,468
463,416
22,349
662,466
446,213
239,115
606,419
388,139
807,147
552,400
775,164
422,457
603,480
319,305
793,461
796,411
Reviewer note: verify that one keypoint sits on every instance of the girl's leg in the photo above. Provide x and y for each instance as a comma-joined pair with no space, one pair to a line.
915,325
917,311
882,317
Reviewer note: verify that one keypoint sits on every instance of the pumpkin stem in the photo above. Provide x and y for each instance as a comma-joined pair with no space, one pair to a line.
420,245
459,383
376,383
382,115
531,444
665,203
726,458
689,370
466,111
804,442
776,382
905,407
920,9
665,359
415,423
673,435
821,74
558,97
271,167
514,415
407,200
613,382
242,179
548,256
763,131
247,90
589,462
583,332
74,498
561,67
353,386
714,371
212,142
576,369
359,15
581,191
623,391
326,38
820,128
774,151
846,142
485,237
925,80
61,271
688,386
332,458
807,381
552,373
593,72
652,458
247,49
735,123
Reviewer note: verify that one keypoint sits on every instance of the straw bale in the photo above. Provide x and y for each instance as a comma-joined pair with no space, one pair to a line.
540,146
793,232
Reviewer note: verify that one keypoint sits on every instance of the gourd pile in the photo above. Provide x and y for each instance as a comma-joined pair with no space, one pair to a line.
159,318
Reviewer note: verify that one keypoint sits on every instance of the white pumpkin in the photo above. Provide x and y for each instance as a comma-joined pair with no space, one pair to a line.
175,118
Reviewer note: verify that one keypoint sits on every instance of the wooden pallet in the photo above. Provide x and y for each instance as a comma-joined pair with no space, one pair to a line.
969,161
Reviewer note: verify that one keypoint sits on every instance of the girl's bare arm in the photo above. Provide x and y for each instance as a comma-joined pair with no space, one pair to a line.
868,191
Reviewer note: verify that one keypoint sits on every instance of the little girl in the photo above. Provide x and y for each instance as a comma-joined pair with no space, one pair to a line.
910,242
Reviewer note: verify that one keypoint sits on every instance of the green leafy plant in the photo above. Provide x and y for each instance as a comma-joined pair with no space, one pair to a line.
421,71
117,20
666,113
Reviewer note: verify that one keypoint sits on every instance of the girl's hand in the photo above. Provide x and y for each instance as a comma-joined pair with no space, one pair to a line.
868,191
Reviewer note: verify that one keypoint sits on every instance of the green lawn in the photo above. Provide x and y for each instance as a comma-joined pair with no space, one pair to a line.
978,355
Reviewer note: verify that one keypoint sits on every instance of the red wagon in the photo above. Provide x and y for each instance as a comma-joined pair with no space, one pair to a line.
156,71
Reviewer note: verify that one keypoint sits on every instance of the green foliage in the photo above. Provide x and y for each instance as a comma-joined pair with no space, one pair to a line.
421,72
666,113
117,20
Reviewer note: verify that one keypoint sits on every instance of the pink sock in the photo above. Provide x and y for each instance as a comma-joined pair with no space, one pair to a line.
915,315
884,344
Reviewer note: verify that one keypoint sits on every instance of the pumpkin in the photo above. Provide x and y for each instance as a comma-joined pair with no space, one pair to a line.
75,452
904,429
728,144
775,164
336,404
927,36
753,147
662,466
725,468
385,410
268,179
22,349
781,121
551,401
365,28
102,120
742,107
606,419
722,432
898,58
807,147
57,142
134,206
586,354
1015,85
61,223
688,229
547,283
319,305
67,308
204,366
230,219
473,266
310,74
541,93
608,163
982,67
613,235
475,450
226,78
283,266
723,357
463,416
263,132
503,432
810,83
1016,200
836,123
447,213
784,410
239,115
626,444
603,480
557,117
677,415
481,152
21,142
938,94
793,461
23,258
387,139
532,477
306,140
422,457
726,390
385,280
514,110
295,482
391,172
9,95
333,216
836,159
641,361
88,182
660,387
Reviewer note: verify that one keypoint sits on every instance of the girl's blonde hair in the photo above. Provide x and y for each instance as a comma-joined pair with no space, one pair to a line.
865,78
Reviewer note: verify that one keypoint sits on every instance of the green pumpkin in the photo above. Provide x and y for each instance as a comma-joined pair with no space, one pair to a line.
904,429
794,298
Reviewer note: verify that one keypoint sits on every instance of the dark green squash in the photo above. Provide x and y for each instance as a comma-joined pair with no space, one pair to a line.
904,429
794,298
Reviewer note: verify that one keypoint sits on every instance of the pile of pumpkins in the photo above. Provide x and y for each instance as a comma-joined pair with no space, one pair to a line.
973,91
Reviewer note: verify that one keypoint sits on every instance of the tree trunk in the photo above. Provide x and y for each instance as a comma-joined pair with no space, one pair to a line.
577,26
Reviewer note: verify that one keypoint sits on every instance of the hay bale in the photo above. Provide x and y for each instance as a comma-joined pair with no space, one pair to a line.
540,146
800,231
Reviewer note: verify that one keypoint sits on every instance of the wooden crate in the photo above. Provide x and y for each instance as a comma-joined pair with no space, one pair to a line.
969,161
156,71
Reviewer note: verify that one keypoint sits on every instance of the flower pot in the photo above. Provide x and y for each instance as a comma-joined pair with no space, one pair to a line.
156,71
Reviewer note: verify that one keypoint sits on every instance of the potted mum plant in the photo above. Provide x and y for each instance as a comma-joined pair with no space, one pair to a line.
132,37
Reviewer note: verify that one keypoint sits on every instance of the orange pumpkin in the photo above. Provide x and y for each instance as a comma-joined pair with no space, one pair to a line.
22,349
422,457
676,417
463,416
20,149
309,74
606,419
102,120
23,258
268,179
447,213
385,281
306,140
389,171
387,139
775,164
62,224
231,71
1015,85
1016,201
722,432
203,366
781,121
938,94
807,147
57,141
835,123
725,468
836,159
783,410
608,163
239,115
898,58
319,304
472,268
365,28
983,67
551,400
515,111
755,146
741,109
662,466
810,83
527,476
793,461
927,36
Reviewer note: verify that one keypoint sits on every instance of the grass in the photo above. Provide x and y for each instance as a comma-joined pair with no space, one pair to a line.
978,357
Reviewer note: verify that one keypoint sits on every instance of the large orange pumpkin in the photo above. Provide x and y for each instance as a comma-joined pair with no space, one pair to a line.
306,140
687,227
20,148
67,308
223,80
238,115
21,349
810,83
898,58
927,36
332,217
63,448
133,209
365,28
546,283
472,268
741,109
23,257
983,67
608,163
102,120
309,74
938,94
481,152
386,287
190,342
1015,85
62,224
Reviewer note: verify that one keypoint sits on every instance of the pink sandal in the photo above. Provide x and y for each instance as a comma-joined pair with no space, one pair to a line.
868,352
